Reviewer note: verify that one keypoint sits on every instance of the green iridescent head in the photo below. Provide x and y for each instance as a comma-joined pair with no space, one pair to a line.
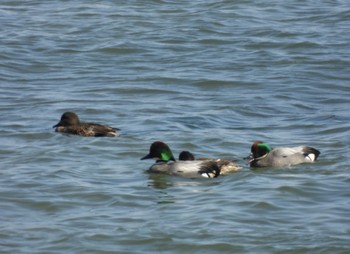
260,149
159,151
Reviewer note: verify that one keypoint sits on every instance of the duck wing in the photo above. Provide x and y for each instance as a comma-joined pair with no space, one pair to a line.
195,169
295,154
97,130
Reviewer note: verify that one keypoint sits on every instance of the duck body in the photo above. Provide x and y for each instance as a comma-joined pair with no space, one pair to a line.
189,169
166,164
262,155
71,124
226,166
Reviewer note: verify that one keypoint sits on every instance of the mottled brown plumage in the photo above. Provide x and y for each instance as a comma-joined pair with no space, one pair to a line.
71,124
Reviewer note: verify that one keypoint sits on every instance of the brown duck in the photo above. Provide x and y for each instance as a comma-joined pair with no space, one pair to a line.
71,124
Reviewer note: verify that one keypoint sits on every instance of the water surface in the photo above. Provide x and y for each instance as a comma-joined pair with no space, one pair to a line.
206,76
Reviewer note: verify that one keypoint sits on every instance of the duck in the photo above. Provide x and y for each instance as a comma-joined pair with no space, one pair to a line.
186,156
263,155
70,124
226,166
167,164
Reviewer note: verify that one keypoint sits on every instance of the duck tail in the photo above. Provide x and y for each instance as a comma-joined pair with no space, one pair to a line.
210,169
311,153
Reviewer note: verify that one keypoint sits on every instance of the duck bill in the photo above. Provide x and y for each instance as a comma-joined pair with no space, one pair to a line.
56,125
249,158
148,156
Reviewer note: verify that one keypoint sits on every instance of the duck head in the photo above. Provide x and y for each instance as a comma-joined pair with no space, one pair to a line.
186,156
159,151
258,151
68,119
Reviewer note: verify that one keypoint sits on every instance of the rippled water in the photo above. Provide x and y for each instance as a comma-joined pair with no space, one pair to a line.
206,76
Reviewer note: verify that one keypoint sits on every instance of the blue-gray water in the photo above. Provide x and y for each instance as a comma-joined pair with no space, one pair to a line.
206,76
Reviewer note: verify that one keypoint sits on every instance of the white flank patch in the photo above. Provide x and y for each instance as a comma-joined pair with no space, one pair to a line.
310,157
208,175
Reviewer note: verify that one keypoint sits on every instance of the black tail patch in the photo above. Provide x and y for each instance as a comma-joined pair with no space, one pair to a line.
310,150
210,169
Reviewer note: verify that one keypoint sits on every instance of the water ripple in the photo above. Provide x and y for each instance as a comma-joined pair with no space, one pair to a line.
206,76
